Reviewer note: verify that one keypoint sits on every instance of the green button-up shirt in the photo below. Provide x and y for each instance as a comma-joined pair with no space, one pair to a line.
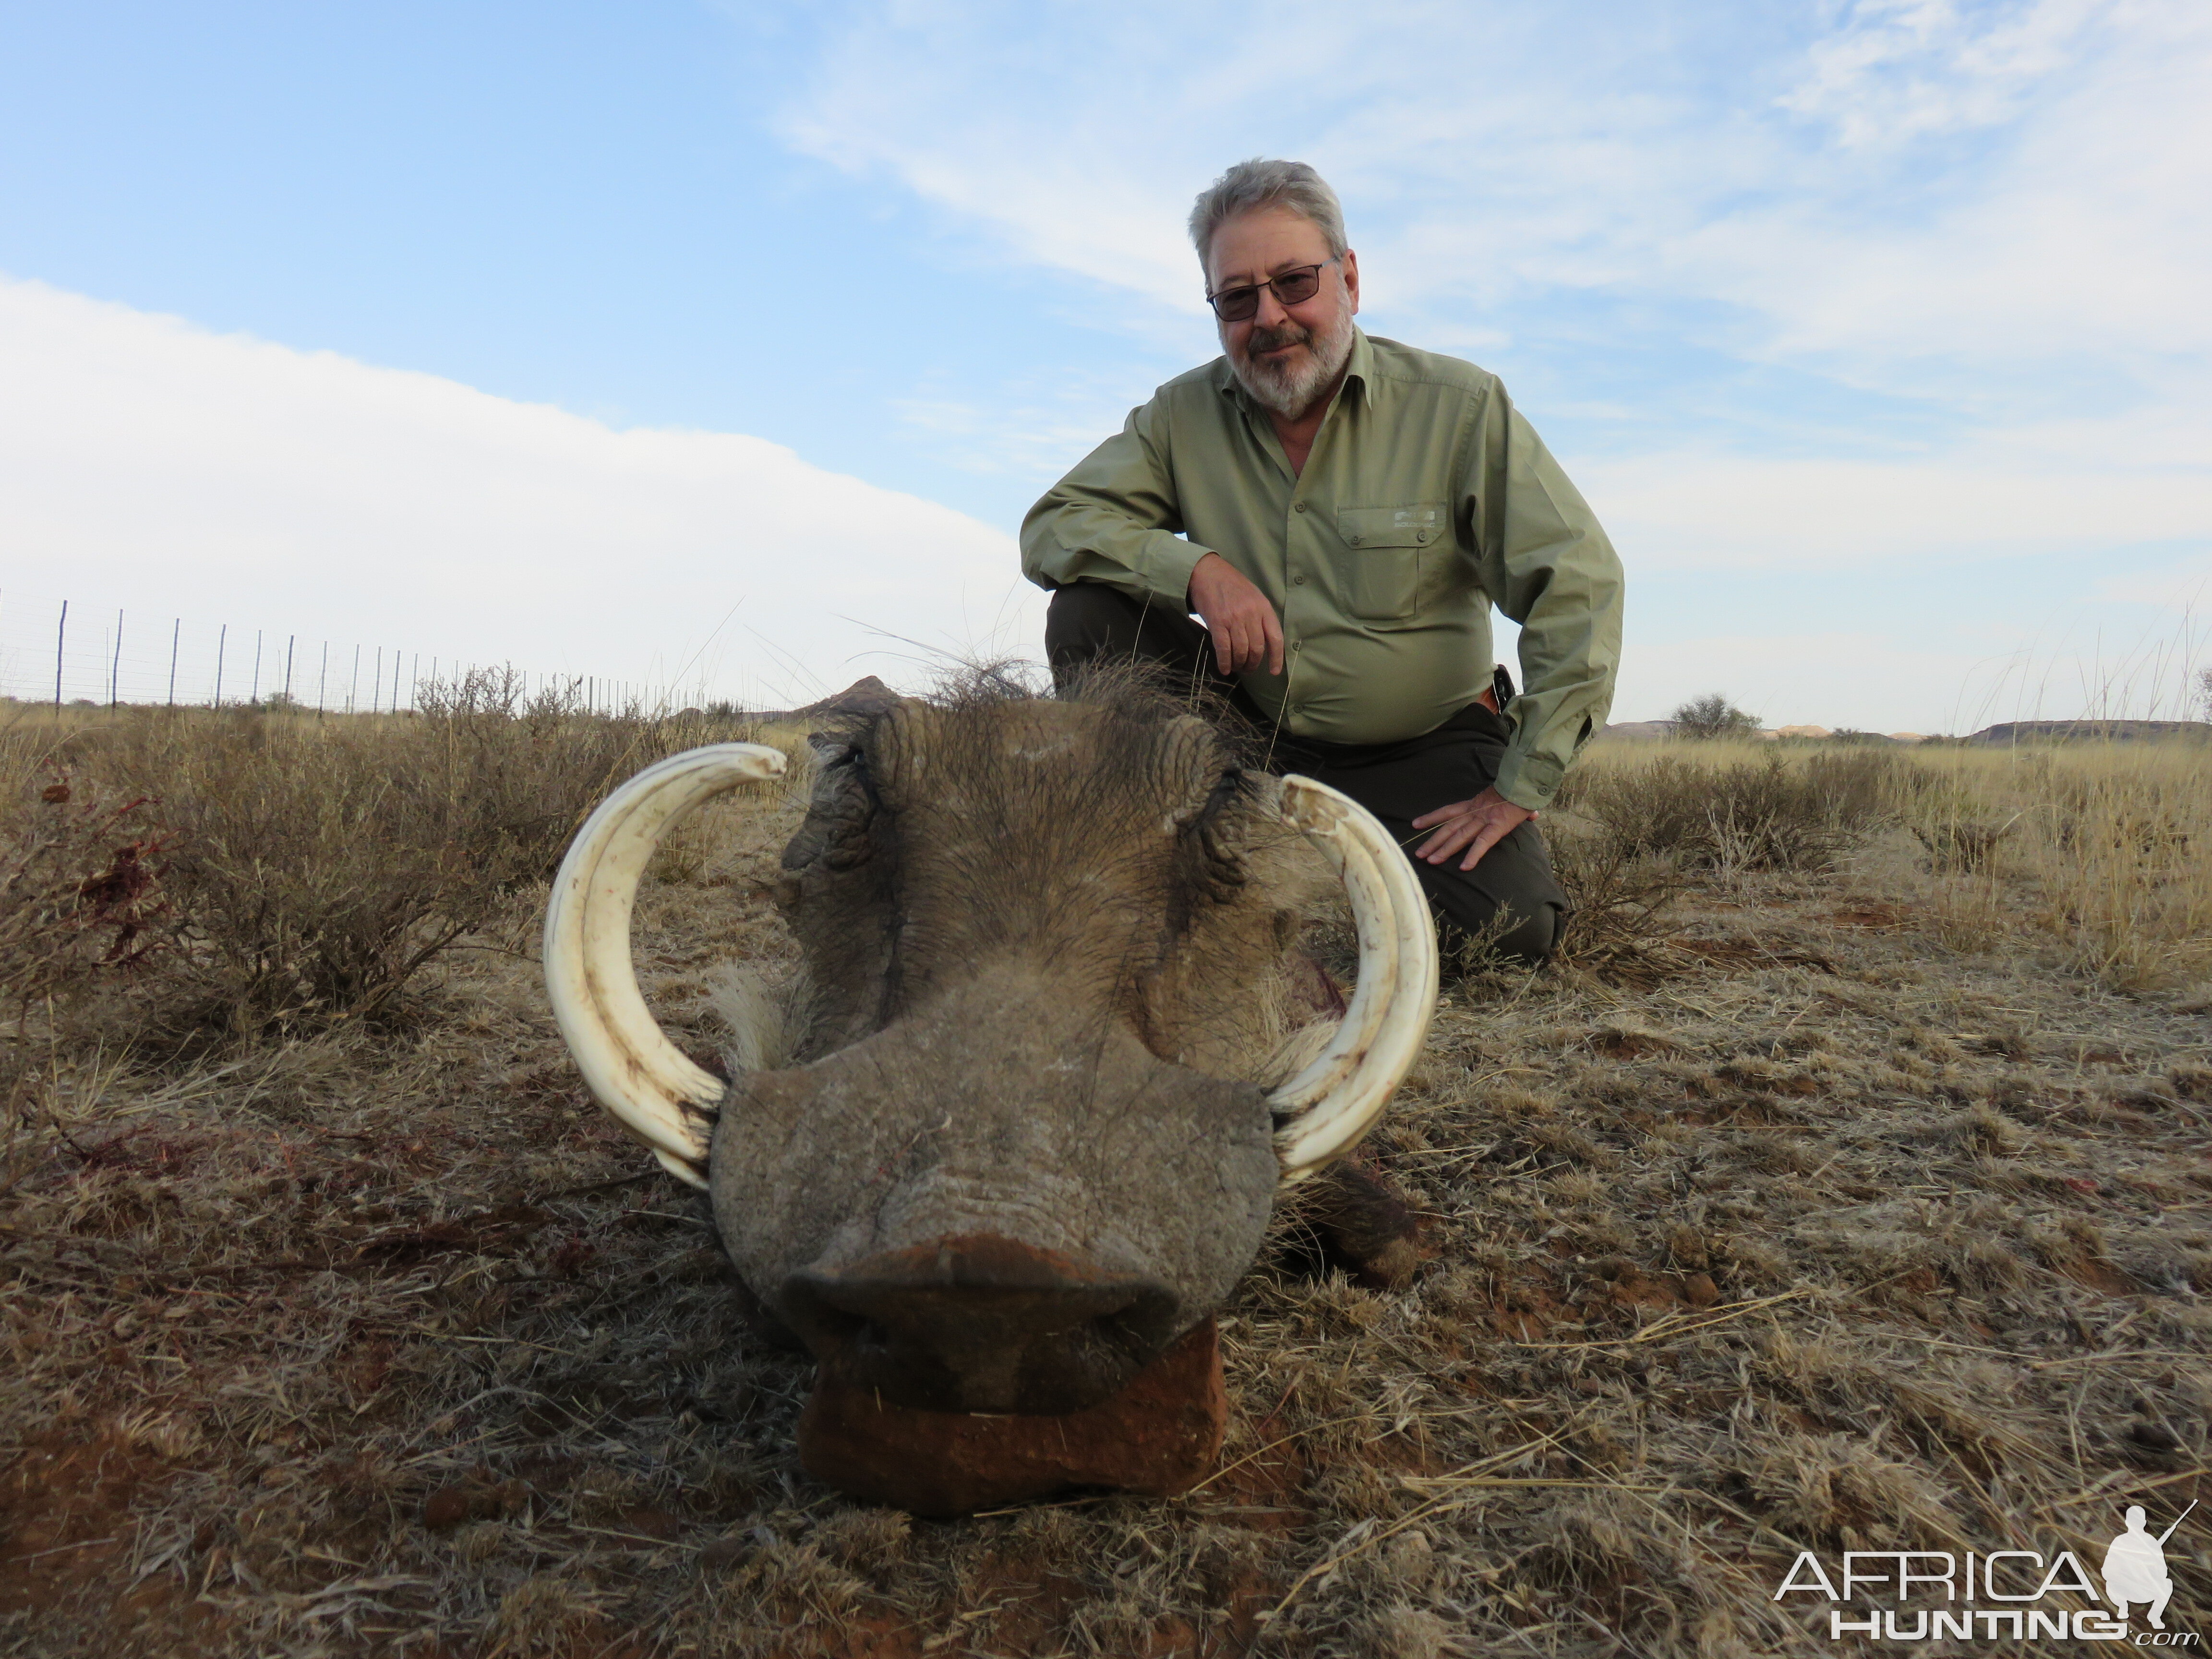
1426,500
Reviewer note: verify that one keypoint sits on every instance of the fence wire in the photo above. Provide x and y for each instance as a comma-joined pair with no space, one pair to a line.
60,652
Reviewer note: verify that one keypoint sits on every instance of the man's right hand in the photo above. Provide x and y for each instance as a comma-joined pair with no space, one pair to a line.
1246,631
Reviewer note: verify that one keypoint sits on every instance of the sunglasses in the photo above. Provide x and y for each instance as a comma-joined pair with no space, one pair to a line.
1292,287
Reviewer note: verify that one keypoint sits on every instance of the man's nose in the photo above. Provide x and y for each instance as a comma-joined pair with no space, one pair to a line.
1272,312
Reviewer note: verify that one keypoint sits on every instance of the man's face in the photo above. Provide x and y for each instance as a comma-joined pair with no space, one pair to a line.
1287,358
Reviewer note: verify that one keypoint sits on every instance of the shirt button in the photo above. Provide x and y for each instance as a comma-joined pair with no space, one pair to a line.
1296,644
1299,506
1354,541
1297,581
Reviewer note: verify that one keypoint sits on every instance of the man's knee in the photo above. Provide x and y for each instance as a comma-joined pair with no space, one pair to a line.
1509,907
1089,619
1531,939
1525,938
1089,622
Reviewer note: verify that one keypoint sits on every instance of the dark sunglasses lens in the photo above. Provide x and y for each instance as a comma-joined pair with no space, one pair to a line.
1296,287
1235,304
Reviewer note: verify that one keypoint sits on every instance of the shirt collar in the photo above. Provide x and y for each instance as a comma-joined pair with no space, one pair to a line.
1358,376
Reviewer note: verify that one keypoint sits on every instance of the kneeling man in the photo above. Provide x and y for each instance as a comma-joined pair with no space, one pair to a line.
1341,513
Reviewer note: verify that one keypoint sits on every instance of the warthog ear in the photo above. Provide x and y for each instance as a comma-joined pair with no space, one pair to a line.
650,1084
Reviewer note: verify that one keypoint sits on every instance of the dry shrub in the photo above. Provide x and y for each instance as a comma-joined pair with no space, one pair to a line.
317,865
81,889
1739,811
82,905
1963,846
1620,898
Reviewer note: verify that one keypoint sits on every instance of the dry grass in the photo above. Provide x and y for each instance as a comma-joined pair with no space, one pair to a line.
1731,807
1861,1206
2105,850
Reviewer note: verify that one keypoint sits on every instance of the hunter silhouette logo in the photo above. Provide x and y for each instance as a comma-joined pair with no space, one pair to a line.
2134,1567
1998,1596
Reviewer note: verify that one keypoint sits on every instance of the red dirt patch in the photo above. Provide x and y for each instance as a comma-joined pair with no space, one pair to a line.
1878,917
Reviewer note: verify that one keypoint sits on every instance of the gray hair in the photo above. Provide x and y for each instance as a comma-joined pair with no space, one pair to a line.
1259,183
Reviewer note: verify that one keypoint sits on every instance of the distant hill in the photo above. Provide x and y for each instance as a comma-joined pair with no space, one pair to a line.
868,695
2016,732
1654,731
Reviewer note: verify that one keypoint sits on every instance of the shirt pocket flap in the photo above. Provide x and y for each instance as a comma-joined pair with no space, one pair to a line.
1418,526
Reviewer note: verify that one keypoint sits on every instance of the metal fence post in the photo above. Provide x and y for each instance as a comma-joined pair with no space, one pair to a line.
60,634
115,664
176,632
222,640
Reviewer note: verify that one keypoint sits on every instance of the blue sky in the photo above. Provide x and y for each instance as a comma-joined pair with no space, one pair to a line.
1875,332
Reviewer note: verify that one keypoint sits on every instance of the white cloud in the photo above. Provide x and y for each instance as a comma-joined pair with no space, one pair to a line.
1936,199
1869,680
1900,69
1703,510
148,464
1811,678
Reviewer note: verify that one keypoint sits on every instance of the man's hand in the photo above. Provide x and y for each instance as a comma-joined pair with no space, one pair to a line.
1246,630
1478,825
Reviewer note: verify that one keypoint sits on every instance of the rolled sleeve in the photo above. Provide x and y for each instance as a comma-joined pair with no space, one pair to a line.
1115,519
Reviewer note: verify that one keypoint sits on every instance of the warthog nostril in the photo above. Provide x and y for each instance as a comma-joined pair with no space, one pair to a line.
982,1323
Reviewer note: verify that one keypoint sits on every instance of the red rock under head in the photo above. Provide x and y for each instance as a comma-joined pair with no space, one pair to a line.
1159,1436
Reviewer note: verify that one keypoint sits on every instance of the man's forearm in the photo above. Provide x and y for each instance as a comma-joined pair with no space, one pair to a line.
1548,565
1085,543
1113,519
1567,698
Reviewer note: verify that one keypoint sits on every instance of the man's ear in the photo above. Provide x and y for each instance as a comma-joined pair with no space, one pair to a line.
1351,279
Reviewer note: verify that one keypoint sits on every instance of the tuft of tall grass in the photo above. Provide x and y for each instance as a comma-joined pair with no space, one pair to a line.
2102,847
1734,807
2105,848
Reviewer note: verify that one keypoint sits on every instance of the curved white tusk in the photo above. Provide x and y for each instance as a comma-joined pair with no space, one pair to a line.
1324,1110
655,1090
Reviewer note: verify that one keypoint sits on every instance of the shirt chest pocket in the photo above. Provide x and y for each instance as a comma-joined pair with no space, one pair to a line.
1387,548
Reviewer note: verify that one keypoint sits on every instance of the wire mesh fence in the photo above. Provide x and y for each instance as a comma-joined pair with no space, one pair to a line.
62,653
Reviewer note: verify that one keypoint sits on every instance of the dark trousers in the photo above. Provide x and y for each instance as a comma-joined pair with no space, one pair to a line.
1510,902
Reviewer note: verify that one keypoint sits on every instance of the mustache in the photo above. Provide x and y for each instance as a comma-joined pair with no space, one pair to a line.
1273,339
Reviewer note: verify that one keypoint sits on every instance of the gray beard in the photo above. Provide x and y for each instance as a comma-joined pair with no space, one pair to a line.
1290,389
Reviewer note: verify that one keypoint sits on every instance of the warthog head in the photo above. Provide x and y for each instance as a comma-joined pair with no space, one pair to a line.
1009,1161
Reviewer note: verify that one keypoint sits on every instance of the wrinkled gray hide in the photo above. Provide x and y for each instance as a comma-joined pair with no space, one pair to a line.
1015,1163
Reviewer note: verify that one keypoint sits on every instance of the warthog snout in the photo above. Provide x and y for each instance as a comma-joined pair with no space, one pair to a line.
981,1323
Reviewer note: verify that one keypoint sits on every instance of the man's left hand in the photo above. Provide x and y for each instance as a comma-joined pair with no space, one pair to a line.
1478,825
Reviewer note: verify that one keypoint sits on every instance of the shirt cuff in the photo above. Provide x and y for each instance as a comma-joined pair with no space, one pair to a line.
1529,780
1168,564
